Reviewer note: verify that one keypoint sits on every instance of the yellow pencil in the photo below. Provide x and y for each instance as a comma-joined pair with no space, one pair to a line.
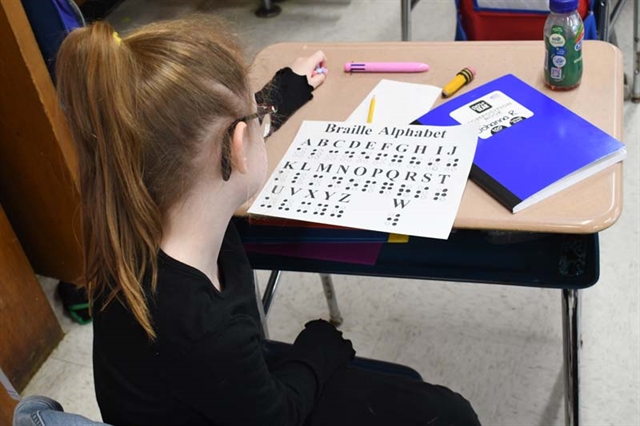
393,238
372,108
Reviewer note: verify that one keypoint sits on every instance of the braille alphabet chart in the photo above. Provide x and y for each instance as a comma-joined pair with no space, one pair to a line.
398,179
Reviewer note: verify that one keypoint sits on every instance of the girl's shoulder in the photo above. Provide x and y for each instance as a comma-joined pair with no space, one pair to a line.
185,305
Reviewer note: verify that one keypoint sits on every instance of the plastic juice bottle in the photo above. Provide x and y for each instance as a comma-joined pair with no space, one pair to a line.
563,34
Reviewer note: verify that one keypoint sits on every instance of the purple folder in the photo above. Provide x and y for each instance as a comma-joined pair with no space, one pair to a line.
357,253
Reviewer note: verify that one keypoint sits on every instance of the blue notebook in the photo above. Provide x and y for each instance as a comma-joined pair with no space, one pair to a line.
530,147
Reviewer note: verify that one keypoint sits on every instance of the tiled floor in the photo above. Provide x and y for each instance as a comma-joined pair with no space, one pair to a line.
498,346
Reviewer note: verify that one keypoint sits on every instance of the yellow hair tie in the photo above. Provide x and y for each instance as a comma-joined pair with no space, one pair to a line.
117,37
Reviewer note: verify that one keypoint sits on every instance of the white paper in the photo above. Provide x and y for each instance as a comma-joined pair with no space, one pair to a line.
397,102
397,179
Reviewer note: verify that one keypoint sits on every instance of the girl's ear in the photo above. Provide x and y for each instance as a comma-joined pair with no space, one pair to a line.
238,155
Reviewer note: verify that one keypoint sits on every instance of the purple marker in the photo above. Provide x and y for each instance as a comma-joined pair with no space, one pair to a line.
319,70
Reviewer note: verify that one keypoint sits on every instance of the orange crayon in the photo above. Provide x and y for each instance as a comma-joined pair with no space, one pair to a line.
463,77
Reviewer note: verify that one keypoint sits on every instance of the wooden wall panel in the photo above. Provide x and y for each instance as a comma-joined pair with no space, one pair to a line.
30,330
7,405
38,164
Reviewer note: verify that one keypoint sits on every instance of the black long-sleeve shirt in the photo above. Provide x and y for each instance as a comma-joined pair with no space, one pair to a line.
207,364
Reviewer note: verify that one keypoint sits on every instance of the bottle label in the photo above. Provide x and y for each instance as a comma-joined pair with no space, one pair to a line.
563,62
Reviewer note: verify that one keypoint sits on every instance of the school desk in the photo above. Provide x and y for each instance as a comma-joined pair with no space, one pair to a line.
553,244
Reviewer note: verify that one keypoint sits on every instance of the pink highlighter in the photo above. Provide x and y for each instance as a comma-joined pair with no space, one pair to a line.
385,67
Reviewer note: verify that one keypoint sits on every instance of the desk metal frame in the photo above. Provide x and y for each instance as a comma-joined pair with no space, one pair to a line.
566,262
564,247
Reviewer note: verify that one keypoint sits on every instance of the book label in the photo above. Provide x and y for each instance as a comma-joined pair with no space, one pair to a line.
492,113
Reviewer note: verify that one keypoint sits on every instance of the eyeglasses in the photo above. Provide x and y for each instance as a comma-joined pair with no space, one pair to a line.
264,114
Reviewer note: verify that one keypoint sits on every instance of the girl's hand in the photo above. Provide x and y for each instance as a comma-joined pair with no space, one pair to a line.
308,65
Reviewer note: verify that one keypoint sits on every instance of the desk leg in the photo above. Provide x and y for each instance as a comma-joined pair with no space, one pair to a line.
263,316
335,317
270,290
571,350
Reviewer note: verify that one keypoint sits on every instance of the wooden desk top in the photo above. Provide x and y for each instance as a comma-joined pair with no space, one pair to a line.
589,206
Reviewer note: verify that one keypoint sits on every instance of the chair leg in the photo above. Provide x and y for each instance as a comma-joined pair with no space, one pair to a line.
604,19
335,317
406,6
267,9
571,351
635,85
405,16
615,13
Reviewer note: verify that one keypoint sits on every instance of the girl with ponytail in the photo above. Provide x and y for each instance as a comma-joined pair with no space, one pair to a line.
170,144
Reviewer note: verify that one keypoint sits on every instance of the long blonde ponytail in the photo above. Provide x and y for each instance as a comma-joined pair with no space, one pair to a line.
138,108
